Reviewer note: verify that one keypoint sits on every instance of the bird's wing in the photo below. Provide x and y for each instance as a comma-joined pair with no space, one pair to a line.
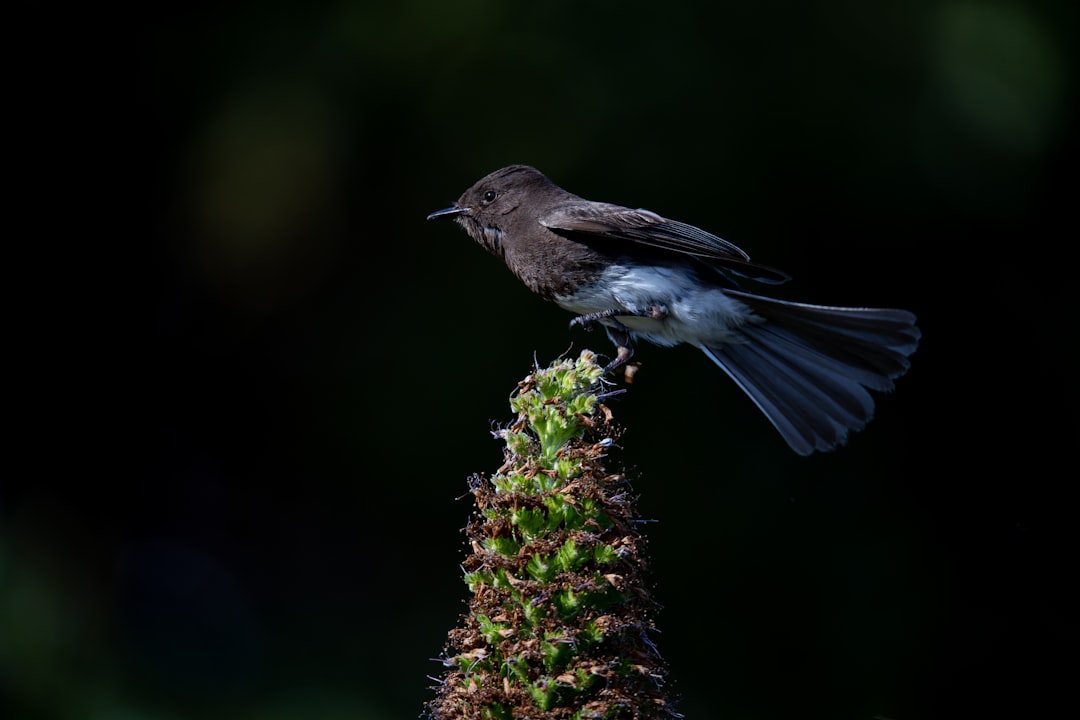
647,228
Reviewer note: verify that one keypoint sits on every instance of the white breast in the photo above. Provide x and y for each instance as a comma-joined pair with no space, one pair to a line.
685,310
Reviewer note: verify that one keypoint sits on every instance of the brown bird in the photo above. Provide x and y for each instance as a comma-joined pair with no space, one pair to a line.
642,276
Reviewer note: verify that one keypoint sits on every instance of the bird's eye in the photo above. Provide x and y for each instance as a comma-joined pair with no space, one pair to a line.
489,196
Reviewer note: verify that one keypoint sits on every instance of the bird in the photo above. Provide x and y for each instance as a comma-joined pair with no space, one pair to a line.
641,276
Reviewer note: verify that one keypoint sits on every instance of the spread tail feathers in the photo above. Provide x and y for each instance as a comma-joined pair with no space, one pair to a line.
808,367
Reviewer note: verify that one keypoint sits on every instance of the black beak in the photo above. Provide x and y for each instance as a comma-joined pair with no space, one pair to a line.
448,212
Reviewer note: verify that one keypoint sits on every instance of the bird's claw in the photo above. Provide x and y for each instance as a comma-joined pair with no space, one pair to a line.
586,322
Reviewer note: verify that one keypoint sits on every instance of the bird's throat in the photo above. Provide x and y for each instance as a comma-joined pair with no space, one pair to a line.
488,236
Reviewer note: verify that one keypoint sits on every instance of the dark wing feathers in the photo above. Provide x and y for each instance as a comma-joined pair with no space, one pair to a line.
648,228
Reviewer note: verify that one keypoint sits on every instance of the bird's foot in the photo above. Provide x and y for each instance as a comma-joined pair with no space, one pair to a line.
622,354
619,333
591,320
624,344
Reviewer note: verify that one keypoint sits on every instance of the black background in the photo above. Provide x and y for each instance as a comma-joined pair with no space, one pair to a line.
276,377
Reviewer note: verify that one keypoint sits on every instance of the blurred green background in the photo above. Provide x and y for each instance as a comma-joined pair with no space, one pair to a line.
264,475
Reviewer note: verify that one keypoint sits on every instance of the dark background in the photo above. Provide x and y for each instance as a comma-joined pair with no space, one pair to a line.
278,376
